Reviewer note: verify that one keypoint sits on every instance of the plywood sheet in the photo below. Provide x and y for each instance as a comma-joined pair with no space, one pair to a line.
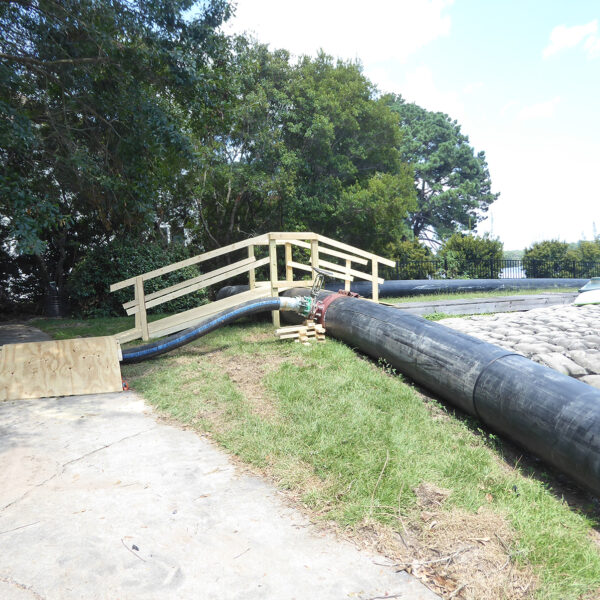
60,368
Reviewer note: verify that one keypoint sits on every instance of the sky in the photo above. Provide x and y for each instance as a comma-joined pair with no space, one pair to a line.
521,77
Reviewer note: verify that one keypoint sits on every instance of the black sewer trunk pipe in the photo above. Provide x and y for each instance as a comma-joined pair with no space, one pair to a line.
552,415
417,287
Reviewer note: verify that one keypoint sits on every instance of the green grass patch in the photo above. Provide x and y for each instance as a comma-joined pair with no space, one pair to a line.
473,295
353,441
62,329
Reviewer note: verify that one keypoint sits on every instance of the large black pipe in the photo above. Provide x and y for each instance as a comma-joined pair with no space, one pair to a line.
416,287
550,414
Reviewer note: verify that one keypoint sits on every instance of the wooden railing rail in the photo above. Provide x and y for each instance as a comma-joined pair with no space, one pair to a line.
316,244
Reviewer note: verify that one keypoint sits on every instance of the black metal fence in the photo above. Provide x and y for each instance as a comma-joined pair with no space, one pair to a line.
490,269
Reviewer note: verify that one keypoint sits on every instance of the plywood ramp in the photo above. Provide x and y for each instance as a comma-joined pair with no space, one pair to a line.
60,368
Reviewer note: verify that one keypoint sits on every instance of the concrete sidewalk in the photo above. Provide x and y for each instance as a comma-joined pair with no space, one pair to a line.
20,333
98,499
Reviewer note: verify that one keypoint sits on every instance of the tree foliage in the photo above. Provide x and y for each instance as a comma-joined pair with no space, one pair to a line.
126,119
546,259
452,182
470,256
91,106
305,145
553,258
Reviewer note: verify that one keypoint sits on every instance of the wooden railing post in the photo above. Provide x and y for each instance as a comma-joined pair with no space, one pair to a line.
314,256
375,272
251,272
141,319
273,276
347,281
289,270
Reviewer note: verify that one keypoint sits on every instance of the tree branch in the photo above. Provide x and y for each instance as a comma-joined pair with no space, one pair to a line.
29,60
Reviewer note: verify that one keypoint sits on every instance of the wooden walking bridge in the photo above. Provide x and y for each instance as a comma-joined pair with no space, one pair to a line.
310,250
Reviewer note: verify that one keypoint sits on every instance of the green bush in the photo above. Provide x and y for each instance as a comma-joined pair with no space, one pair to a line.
415,261
90,280
472,257
549,258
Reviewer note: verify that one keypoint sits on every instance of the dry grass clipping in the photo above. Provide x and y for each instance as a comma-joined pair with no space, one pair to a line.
455,553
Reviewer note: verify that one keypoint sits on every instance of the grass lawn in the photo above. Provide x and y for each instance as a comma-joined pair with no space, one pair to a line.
364,451
468,295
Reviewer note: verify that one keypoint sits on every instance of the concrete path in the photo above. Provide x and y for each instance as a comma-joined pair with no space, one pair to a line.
564,338
99,500
19,333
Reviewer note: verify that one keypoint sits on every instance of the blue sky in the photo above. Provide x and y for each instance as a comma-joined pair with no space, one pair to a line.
522,78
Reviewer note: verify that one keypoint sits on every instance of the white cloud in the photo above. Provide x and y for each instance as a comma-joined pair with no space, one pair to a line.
420,87
508,106
592,45
373,32
563,37
473,87
542,110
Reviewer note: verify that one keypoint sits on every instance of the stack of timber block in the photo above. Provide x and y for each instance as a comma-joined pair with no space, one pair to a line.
309,330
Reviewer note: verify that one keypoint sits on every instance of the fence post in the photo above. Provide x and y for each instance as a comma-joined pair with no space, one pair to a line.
141,320
347,281
251,272
289,271
375,272
273,277
314,256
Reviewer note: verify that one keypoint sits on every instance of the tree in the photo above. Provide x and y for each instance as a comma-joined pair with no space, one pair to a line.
98,101
370,214
472,257
415,260
452,183
585,251
548,258
304,146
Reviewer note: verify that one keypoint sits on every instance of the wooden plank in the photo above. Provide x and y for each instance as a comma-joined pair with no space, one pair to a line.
375,281
343,255
192,281
330,251
189,318
252,272
60,368
290,329
352,249
257,241
301,267
204,283
342,270
273,276
292,284
359,274
141,307
128,335
292,235
314,255
347,281
289,271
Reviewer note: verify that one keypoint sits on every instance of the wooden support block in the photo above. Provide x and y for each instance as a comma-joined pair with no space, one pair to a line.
304,333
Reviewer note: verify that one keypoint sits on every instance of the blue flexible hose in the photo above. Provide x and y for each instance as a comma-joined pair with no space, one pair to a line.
140,353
